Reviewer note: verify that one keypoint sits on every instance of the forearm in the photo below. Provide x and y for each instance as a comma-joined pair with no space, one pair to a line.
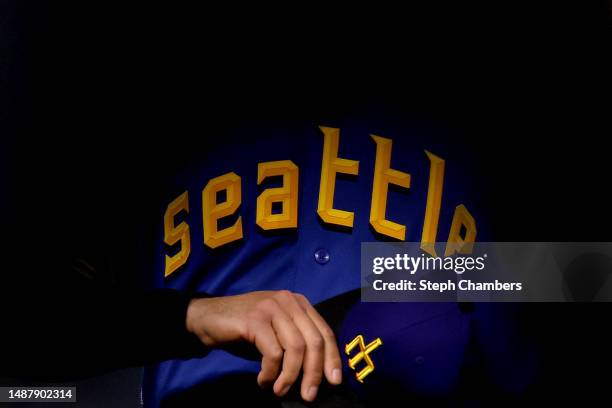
64,335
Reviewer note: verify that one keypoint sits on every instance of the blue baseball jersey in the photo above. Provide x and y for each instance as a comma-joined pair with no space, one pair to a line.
287,207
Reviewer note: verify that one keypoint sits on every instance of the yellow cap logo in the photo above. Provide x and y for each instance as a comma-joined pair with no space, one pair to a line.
363,354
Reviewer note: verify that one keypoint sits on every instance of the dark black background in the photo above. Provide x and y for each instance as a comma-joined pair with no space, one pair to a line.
100,100
104,97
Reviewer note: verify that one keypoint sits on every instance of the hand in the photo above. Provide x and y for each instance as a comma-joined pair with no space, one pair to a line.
288,332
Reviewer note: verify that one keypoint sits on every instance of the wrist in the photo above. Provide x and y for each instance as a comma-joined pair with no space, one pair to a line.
197,315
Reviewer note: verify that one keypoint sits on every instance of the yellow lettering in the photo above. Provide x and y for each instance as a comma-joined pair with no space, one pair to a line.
434,200
383,176
330,166
456,243
287,195
213,211
177,233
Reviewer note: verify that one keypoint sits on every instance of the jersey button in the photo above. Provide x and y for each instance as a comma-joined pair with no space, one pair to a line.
321,256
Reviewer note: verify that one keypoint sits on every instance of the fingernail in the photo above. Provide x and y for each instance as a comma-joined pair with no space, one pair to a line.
285,390
311,394
337,376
